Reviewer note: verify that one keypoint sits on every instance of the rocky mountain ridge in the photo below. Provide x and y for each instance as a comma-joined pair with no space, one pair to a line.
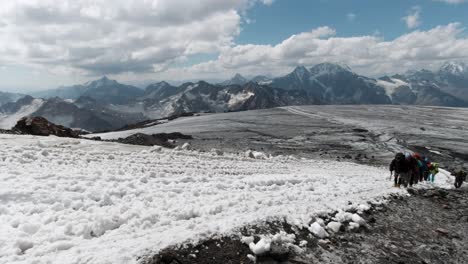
106,104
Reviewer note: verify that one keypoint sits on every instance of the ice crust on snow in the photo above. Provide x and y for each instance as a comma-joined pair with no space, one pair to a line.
101,202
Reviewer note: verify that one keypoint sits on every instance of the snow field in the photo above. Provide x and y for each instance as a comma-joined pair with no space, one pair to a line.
79,201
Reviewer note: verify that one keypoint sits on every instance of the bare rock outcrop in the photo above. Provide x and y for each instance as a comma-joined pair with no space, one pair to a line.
40,126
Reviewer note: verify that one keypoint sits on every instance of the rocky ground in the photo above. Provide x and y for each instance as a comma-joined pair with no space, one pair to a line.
430,226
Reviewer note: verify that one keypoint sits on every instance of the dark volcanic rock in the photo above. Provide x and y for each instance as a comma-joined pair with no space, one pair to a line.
40,126
10,132
161,139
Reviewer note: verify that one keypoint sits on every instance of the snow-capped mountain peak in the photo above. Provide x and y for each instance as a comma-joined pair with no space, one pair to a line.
238,79
301,72
157,86
329,68
238,76
454,68
262,80
104,81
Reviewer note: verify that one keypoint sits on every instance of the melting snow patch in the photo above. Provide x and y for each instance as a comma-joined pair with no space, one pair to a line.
342,216
261,247
60,207
279,243
363,208
247,240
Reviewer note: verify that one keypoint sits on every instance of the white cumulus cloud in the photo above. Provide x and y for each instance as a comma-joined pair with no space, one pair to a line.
413,19
102,37
152,38
366,54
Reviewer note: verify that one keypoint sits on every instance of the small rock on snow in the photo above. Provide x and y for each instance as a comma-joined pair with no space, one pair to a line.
318,230
358,219
334,226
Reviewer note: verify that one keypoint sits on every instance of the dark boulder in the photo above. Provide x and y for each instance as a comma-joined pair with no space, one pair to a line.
40,126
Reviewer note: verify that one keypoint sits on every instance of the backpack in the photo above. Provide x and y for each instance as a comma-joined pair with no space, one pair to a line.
461,175
399,156
400,162
435,168
420,164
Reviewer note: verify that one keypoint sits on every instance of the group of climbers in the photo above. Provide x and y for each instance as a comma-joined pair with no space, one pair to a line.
409,169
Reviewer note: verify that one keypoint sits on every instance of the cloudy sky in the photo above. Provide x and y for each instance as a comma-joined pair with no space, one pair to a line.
48,43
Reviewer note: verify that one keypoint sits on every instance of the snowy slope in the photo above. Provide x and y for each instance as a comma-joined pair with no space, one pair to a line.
78,201
7,121
188,125
390,87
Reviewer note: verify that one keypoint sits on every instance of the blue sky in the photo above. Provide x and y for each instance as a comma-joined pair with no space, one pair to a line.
45,44
286,17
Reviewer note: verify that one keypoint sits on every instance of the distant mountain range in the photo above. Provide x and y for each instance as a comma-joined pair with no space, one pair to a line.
105,104
84,113
104,90
9,97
